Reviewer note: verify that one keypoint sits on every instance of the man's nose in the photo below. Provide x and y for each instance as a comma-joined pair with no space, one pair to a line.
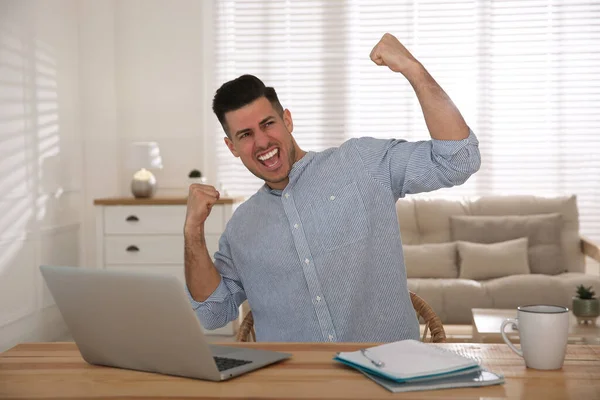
261,139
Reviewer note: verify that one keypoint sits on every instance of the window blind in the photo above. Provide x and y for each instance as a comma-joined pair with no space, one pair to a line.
525,75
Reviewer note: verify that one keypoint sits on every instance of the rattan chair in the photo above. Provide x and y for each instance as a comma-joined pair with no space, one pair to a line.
424,312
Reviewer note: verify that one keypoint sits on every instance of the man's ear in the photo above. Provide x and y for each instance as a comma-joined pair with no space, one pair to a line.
229,144
287,120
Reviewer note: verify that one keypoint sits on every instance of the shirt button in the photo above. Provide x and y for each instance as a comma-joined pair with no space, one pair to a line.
331,198
318,298
287,195
331,338
307,261
296,226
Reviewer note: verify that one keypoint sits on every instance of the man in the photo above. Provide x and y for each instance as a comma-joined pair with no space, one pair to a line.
317,250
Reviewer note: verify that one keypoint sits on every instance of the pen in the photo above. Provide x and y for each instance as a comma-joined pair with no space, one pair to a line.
375,362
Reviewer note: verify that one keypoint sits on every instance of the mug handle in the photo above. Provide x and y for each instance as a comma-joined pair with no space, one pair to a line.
506,339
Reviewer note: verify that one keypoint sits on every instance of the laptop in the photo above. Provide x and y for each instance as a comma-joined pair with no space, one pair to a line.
145,322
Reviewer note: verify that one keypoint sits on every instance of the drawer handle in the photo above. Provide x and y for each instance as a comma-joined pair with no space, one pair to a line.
133,248
132,218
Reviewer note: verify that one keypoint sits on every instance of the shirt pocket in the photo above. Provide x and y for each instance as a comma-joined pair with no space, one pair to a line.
341,217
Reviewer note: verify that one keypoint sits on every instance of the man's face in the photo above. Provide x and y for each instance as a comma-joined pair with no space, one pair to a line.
263,140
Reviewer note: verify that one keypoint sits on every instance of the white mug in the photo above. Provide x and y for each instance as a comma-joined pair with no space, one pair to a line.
544,332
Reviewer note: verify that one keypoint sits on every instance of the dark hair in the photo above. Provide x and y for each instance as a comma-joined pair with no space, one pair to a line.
240,92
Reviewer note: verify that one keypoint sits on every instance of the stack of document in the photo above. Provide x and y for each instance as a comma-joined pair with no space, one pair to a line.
410,365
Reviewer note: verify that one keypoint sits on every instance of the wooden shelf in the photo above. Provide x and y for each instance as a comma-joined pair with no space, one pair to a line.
161,201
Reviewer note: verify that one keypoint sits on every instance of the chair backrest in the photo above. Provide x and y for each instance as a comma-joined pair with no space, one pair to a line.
424,312
246,332
432,322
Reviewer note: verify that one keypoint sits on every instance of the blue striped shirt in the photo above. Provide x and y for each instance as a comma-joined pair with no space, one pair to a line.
322,259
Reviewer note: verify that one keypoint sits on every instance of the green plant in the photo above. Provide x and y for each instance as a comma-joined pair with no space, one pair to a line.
585,293
195,174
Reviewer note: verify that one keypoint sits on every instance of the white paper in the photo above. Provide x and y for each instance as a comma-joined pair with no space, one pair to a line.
408,359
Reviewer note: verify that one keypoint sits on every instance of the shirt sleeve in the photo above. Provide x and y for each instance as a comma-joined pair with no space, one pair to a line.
421,166
222,306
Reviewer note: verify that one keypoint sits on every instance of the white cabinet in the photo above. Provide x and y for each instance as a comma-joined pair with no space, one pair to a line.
147,235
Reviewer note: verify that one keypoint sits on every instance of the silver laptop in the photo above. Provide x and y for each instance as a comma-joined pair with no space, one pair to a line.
145,322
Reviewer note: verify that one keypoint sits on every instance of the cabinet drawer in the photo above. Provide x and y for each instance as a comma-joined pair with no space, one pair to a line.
159,249
155,219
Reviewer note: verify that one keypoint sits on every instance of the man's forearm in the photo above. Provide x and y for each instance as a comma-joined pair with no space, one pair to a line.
443,119
201,276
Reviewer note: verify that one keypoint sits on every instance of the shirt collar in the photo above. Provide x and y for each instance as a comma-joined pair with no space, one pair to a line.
294,174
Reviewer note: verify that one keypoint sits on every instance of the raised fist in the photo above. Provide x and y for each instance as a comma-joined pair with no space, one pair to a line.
391,53
200,200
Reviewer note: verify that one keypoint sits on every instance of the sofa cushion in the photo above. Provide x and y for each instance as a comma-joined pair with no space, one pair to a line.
436,260
427,220
481,261
510,292
566,206
543,232
570,280
432,222
452,299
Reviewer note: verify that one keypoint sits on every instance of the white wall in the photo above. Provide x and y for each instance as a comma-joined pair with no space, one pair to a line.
79,81
98,95
40,161
142,78
160,88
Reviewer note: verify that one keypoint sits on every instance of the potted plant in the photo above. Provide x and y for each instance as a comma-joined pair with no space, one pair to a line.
195,176
585,305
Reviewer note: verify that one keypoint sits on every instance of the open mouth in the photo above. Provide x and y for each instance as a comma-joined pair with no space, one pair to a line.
270,159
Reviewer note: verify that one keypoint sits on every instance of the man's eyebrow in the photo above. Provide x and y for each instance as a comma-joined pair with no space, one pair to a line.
238,133
264,121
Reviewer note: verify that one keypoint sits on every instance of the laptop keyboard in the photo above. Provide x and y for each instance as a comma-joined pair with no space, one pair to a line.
224,363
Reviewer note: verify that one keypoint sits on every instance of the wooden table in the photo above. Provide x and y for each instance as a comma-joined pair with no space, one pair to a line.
487,322
57,371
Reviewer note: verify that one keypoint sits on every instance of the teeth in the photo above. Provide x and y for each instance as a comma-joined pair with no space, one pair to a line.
268,155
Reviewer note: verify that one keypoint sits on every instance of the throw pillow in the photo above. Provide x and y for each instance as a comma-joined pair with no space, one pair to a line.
431,260
543,232
487,261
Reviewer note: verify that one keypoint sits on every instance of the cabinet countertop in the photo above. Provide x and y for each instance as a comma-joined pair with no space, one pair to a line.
162,201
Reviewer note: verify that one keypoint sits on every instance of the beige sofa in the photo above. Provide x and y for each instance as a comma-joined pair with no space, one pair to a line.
493,252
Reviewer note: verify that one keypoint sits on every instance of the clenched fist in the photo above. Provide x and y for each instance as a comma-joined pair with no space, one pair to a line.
391,53
200,200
